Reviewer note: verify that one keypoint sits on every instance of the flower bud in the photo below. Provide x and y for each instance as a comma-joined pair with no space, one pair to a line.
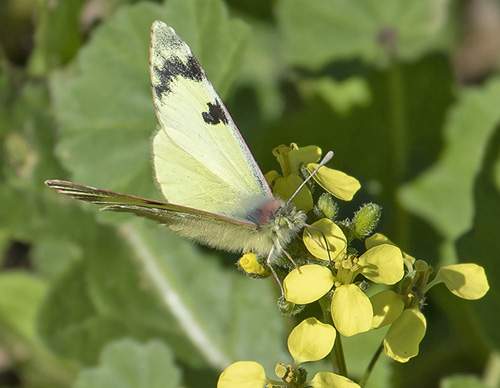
249,264
366,220
327,206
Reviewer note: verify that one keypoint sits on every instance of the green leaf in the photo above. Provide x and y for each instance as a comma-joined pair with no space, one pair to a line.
443,195
174,292
319,32
480,244
21,294
57,35
226,316
363,138
105,111
129,364
68,320
462,382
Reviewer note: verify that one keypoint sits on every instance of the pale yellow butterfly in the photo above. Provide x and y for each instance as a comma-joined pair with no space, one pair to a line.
216,193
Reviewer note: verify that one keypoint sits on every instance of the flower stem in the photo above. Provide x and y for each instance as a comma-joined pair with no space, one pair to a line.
399,145
371,365
337,354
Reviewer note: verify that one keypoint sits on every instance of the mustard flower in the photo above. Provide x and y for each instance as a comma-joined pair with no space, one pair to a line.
307,284
291,159
314,240
337,183
310,340
243,374
402,311
249,263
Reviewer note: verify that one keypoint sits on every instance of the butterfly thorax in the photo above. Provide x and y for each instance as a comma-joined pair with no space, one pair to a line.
280,221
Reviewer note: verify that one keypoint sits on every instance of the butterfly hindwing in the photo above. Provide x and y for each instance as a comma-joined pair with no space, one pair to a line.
207,228
199,155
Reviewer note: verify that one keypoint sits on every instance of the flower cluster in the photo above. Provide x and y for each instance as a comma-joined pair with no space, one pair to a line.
310,340
331,271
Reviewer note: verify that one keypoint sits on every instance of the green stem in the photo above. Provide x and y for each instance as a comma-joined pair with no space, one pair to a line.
338,351
399,145
337,354
370,367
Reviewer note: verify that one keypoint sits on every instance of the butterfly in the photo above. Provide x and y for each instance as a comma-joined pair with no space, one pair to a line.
216,194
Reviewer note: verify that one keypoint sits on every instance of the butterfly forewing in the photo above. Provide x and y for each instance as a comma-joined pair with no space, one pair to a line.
199,156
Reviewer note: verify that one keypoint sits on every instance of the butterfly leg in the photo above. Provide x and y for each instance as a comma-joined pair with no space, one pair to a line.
289,257
269,264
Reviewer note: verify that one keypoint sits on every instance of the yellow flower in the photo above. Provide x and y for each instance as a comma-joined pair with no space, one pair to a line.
336,182
285,187
405,334
379,238
243,374
467,281
307,284
387,307
248,263
329,380
314,240
310,340
352,311
292,158
382,264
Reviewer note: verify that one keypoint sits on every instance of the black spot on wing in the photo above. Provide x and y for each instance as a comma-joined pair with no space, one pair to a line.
173,68
215,114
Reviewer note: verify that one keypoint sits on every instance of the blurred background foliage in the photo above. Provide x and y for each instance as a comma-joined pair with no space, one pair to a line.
407,94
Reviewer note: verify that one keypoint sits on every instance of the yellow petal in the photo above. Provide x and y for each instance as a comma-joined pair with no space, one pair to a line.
382,264
271,177
311,283
404,336
467,281
292,157
287,186
315,241
387,307
248,263
329,380
243,374
352,311
336,182
379,238
311,340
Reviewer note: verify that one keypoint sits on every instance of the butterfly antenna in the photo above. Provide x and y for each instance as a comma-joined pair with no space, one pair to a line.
325,160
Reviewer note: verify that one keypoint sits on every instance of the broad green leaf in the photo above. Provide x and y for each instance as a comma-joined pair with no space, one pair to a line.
443,195
57,36
130,364
463,381
363,138
175,292
20,295
68,321
261,71
105,108
102,298
223,313
481,243
319,32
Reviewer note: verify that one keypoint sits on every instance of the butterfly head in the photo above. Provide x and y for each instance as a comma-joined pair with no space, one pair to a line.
282,220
